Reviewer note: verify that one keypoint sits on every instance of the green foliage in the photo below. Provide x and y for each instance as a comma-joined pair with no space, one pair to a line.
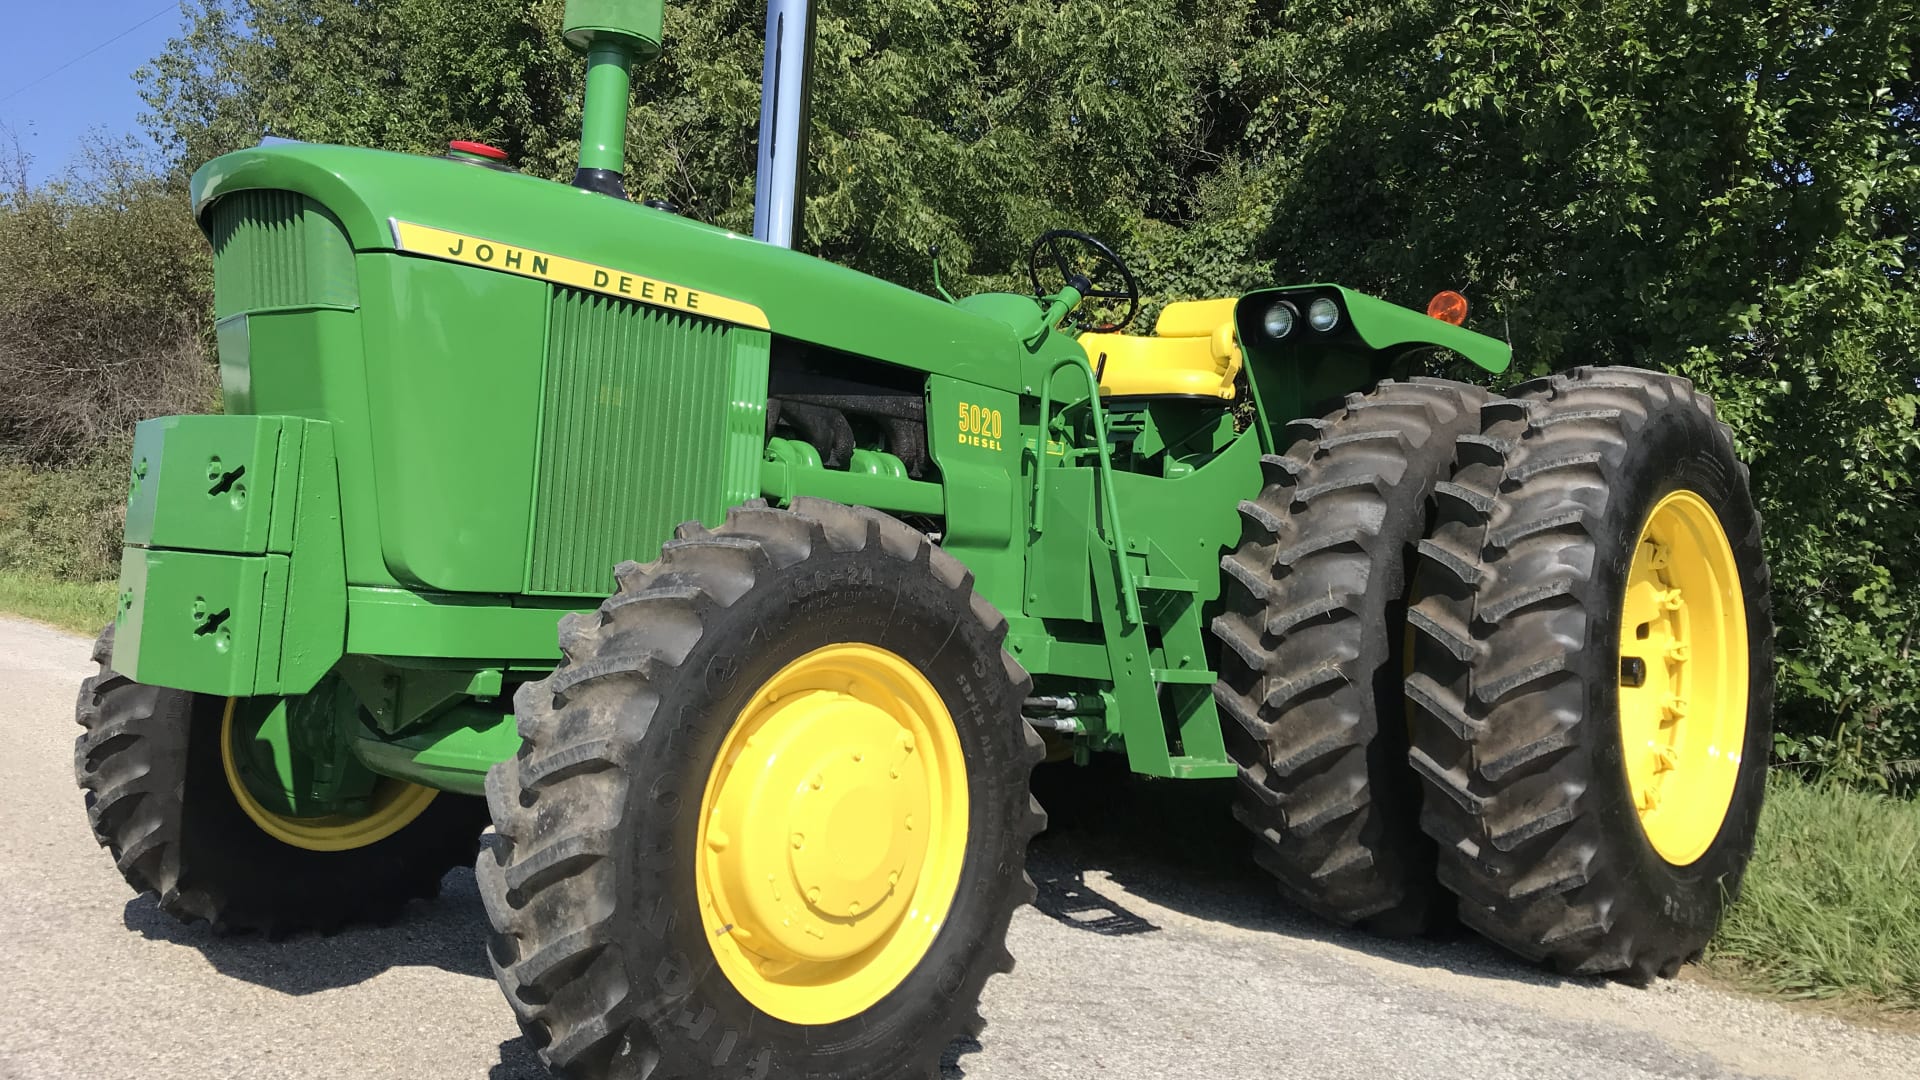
1726,190
64,523
1723,190
103,308
1828,909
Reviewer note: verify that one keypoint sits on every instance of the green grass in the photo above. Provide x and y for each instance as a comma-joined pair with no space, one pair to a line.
83,607
1831,906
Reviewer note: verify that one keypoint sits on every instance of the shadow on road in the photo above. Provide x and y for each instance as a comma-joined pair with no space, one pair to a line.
1176,844
1067,898
517,1062
1171,844
449,934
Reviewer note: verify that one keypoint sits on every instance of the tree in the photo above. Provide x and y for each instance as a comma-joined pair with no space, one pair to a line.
1726,190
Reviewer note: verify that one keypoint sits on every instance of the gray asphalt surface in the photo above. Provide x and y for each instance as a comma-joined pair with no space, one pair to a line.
1155,952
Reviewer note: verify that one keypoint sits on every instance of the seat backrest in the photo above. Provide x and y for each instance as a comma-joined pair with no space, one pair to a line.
1195,318
1192,354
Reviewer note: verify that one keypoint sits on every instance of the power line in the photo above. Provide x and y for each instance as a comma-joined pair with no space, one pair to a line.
21,90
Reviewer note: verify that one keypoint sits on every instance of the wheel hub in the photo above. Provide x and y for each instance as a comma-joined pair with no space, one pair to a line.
1683,677
832,833
826,827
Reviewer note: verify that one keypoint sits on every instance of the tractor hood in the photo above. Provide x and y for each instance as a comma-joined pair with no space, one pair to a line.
451,210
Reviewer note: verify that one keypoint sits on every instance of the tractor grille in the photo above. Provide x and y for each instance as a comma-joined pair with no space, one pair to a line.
278,249
631,442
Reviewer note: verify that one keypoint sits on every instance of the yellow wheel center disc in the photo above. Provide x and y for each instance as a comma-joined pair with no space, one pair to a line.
1683,677
832,834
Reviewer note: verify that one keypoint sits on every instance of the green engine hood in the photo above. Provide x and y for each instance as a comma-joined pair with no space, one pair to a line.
446,209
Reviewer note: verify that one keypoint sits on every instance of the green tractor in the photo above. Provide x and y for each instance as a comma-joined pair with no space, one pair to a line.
874,554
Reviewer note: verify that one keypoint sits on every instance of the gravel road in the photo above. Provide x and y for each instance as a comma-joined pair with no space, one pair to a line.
1154,952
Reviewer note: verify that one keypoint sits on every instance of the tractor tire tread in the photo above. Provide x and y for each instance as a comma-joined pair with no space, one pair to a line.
1305,632
1510,563
551,908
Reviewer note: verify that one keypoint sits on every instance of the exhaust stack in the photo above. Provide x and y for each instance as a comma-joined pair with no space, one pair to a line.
785,92
613,35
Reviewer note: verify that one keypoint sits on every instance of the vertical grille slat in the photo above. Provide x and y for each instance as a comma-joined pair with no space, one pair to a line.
632,441
278,249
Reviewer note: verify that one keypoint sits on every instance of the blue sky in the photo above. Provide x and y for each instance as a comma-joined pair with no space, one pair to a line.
50,116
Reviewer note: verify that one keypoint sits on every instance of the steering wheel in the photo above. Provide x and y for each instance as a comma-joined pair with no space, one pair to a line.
1089,266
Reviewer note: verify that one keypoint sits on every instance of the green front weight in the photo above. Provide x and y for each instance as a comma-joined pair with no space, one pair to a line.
198,621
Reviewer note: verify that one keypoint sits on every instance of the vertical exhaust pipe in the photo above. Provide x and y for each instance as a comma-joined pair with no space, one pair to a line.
786,77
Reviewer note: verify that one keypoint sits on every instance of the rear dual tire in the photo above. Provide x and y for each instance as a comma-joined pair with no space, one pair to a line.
1314,651
1593,673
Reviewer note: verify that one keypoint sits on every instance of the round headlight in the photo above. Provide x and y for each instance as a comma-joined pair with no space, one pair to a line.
1280,319
1323,314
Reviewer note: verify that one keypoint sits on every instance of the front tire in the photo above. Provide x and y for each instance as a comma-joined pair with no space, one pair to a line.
720,852
1594,675
162,799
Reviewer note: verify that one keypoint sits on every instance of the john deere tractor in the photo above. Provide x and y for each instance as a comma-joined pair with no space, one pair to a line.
873,554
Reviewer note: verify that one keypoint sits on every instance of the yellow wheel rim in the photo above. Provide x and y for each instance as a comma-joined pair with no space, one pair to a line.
395,804
1683,677
832,834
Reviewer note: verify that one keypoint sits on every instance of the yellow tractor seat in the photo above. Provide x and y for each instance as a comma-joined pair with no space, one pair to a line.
1192,353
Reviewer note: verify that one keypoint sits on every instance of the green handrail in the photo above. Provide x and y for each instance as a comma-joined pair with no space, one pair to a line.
1109,510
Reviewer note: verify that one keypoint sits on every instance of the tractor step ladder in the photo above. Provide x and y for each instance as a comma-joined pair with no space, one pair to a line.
1171,610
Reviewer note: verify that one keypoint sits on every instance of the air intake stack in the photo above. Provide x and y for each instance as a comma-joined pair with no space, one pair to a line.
614,35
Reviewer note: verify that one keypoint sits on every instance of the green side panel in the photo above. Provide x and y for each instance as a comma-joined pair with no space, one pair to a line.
190,620
452,400
278,249
746,415
315,633
396,622
312,364
236,364
1183,526
636,400
975,436
203,483
1058,585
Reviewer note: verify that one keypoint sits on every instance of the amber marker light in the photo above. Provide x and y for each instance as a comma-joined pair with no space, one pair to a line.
1448,306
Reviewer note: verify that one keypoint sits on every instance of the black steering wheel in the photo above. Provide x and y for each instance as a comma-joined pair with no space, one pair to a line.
1090,266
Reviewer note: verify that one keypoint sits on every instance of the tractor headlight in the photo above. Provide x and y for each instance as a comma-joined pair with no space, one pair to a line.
1323,314
1280,319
